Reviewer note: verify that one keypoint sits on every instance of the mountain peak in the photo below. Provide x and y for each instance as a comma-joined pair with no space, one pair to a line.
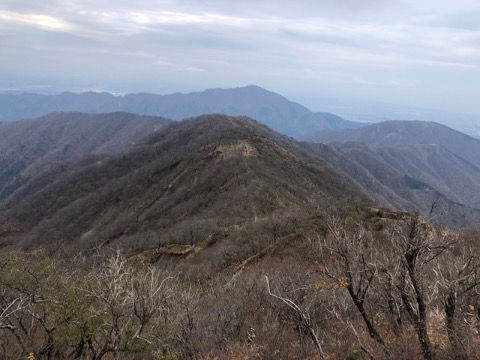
270,108
212,170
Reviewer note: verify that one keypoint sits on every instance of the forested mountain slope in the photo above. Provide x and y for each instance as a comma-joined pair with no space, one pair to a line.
404,133
390,187
216,237
211,172
30,147
180,183
433,155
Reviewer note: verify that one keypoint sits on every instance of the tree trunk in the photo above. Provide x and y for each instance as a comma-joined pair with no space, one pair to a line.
421,321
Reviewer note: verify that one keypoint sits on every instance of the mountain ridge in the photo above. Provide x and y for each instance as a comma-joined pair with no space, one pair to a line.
204,176
445,159
270,108
397,133
392,188
28,147
207,172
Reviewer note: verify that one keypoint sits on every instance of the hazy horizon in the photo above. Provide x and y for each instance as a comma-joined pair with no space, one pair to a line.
417,54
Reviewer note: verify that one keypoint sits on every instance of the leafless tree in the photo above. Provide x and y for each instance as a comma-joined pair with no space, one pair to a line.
303,315
126,300
349,256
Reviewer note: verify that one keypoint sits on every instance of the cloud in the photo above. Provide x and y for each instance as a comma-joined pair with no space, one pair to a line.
349,45
45,22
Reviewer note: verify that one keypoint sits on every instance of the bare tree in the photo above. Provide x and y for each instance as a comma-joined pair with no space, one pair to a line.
126,300
26,280
303,315
458,280
416,244
349,257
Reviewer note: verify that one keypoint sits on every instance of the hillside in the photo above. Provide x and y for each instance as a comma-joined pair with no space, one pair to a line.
441,158
30,147
275,238
180,184
265,106
402,133
453,176
392,186
213,172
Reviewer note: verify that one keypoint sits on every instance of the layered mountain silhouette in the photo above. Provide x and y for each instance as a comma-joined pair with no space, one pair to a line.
191,184
438,157
30,147
138,224
182,181
265,106
401,133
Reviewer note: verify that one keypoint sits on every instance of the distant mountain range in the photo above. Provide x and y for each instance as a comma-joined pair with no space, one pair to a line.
187,178
437,156
377,111
267,107
402,133
99,178
230,221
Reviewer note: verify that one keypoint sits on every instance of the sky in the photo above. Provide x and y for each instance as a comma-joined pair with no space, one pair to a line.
413,52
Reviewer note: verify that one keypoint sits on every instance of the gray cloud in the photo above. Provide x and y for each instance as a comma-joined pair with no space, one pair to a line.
405,50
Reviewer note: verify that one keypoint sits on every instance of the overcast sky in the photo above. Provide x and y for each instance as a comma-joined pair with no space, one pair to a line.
414,52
